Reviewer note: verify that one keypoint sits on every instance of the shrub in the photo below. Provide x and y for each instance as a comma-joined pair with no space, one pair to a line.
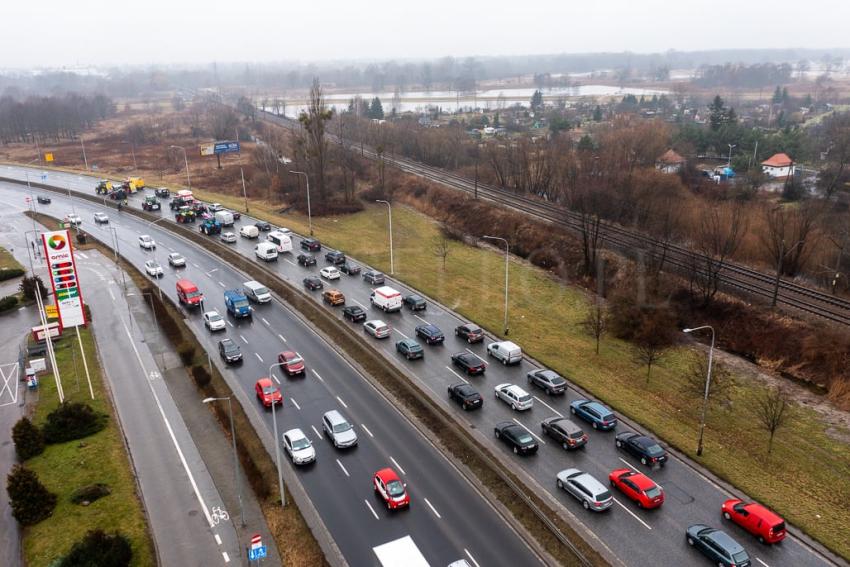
9,273
72,420
8,302
28,439
99,549
88,494
187,354
201,375
28,287
31,501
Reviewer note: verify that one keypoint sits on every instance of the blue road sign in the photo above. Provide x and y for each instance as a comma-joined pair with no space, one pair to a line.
226,147
257,553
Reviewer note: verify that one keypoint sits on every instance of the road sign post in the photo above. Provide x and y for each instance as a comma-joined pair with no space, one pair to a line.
257,550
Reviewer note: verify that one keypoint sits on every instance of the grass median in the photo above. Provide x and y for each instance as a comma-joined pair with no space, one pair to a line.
7,261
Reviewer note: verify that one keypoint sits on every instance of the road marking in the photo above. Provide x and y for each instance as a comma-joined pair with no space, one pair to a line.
264,321
295,403
432,508
217,539
258,356
633,515
317,375
400,333
366,429
371,509
421,319
226,556
221,284
319,435
244,340
468,554
342,402
109,289
548,406
530,431
229,323
282,338
197,266
762,562
358,303
398,465
275,379
83,255
290,261
456,374
170,248
628,464
343,469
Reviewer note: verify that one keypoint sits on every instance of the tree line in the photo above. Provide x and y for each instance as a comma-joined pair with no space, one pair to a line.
51,118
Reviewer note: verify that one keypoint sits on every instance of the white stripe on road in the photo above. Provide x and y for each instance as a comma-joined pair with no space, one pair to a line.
317,375
397,465
319,435
229,323
109,289
258,356
197,266
468,554
290,261
432,508
633,515
264,321
548,406
456,374
400,333
343,468
421,319
281,338
762,562
530,431
342,402
275,378
295,403
218,539
358,303
366,429
221,284
244,340
628,464
226,556
371,509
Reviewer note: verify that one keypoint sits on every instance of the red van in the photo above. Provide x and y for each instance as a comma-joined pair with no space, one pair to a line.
756,519
188,293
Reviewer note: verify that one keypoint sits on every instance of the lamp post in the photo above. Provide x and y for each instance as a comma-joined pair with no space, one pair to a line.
186,161
731,146
309,213
82,145
707,384
390,213
235,457
115,249
132,151
507,254
277,441
244,191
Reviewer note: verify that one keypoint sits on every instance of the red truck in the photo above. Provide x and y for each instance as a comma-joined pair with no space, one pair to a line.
188,294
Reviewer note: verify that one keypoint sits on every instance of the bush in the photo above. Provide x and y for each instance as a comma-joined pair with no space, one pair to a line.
72,420
28,439
99,549
28,287
201,375
9,273
31,501
88,494
8,302
187,354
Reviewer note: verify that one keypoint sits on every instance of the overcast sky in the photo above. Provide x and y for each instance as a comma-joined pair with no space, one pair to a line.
83,32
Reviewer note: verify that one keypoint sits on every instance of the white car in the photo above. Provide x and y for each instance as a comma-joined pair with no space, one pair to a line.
377,328
101,218
329,273
228,237
298,447
249,231
73,219
514,396
153,268
146,242
176,259
213,321
215,207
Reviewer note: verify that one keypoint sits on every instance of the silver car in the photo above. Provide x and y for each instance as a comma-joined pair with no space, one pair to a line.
298,447
514,396
228,237
176,259
339,430
592,494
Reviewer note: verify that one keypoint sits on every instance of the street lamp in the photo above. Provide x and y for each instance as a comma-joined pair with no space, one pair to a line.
115,249
235,458
507,253
707,384
186,161
86,161
731,146
133,151
276,441
390,212
309,213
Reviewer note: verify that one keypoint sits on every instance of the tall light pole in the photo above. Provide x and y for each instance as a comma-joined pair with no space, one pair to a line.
731,146
276,440
117,254
309,212
507,255
244,191
186,161
82,145
390,213
132,151
707,384
235,457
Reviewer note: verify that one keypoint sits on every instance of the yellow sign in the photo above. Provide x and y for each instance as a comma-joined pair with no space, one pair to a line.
50,311
207,149
48,156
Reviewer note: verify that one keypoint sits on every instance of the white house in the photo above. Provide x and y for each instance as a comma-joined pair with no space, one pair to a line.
670,162
778,165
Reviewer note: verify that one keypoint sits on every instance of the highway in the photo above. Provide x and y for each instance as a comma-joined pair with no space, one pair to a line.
339,484
637,537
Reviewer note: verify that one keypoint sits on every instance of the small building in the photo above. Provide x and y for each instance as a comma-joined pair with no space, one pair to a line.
670,162
778,165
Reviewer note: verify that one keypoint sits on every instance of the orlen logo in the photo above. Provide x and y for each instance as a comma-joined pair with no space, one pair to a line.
56,242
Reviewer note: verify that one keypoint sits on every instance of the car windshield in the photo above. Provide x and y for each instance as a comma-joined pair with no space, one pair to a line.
215,317
653,492
740,557
155,265
193,294
261,290
342,427
302,443
654,450
524,438
395,488
269,390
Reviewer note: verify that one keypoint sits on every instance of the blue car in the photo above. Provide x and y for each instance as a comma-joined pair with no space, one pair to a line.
595,413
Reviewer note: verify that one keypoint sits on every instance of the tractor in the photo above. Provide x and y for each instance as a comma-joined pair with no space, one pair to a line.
185,215
151,204
210,226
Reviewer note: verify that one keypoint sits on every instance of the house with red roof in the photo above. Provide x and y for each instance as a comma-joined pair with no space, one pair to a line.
670,162
778,165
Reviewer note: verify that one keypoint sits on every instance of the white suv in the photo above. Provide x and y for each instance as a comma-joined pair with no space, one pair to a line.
514,396
146,242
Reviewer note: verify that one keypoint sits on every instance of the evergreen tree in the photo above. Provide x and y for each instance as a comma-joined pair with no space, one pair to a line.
597,114
536,100
777,95
785,96
28,439
496,123
376,109
717,114
586,143
31,501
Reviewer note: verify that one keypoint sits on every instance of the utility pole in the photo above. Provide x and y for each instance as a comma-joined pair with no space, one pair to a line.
86,161
244,191
390,212
507,256
707,385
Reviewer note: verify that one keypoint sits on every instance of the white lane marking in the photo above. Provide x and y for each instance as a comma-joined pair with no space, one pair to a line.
281,338
548,406
290,261
366,429
371,509
471,558
316,431
83,255
229,323
398,465
112,295
432,508
218,539
530,431
197,266
244,340
221,284
295,403
264,321
226,556
317,375
456,374
358,303
762,562
275,379
259,357
343,469
342,402
633,515
421,319
628,464
170,248
400,333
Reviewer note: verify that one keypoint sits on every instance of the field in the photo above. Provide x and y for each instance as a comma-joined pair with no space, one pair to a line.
100,458
7,261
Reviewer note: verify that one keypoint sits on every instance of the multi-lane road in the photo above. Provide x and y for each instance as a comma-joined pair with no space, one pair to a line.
637,537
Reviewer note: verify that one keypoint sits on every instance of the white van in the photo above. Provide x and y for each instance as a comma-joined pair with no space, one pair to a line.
266,251
249,231
386,299
224,217
505,351
281,240
255,291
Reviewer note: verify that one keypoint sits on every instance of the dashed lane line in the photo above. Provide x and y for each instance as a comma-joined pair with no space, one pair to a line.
542,442
371,509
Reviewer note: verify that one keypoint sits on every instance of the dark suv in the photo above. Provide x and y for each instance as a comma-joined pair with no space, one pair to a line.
306,259
644,448
229,351
311,245
470,332
335,257
415,302
373,277
349,268
469,363
431,334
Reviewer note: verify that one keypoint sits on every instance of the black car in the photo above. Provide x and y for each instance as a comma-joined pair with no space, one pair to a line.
311,245
263,226
350,269
335,257
469,363
466,396
548,380
431,334
354,313
565,432
645,448
415,302
373,277
313,283
717,546
42,200
410,349
306,259
516,437
162,192
471,332
229,351
236,215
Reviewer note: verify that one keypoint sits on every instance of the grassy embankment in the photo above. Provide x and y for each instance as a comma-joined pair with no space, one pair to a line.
99,458
7,260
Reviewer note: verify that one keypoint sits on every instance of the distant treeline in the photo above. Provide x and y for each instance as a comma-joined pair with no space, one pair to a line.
51,117
740,75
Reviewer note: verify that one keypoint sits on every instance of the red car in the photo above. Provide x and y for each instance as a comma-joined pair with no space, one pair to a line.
267,392
391,489
638,487
766,525
292,362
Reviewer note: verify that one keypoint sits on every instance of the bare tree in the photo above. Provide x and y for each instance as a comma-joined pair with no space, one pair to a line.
772,411
313,120
722,381
718,236
653,338
595,322
788,237
221,121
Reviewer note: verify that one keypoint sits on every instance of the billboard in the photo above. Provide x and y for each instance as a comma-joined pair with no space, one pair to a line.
63,277
219,147
207,149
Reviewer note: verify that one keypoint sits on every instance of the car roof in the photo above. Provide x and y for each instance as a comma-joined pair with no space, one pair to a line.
409,342
590,483
335,417
466,388
289,354
641,480
565,424
725,541
430,327
227,342
598,406
509,386
766,514
264,382
295,433
387,475
545,372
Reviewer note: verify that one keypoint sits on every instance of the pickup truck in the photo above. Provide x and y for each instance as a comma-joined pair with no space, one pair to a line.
237,303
